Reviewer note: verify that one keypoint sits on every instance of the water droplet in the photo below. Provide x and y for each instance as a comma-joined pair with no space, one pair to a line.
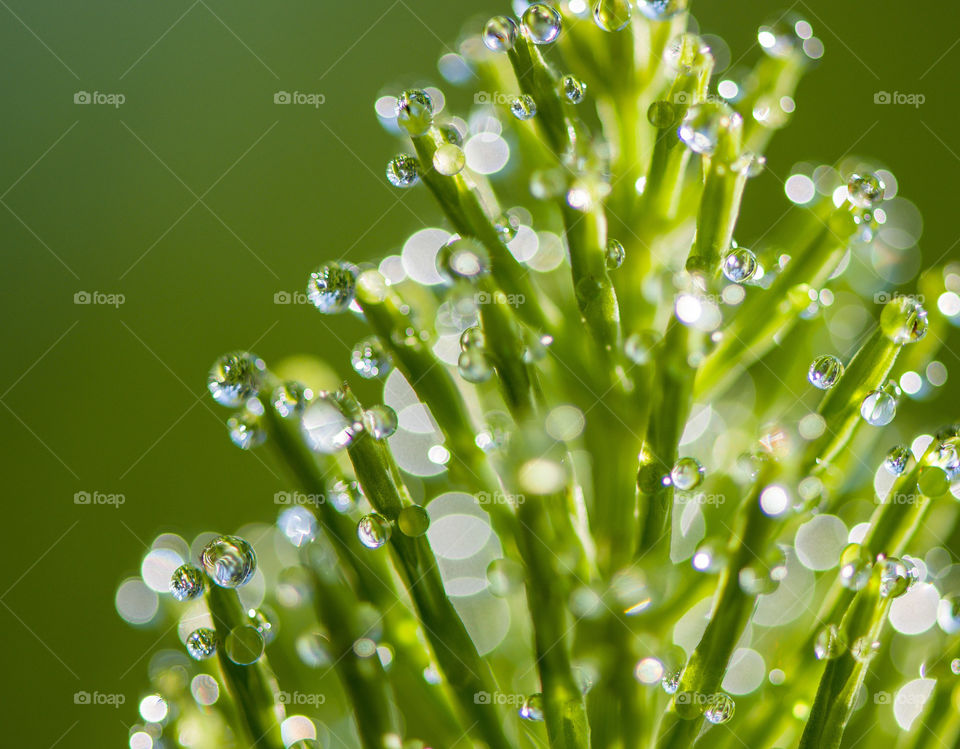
290,398
904,320
462,259
864,648
612,15
344,495
474,366
298,525
403,171
235,378
739,265
472,338
614,255
719,708
371,359
246,426
201,643
374,530
779,38
187,583
325,429
507,227
703,123
878,408
865,190
661,114
682,53
671,681
504,577
229,560
660,10
751,164
895,578
415,111
825,372
532,708
244,645
947,457
573,89
523,107
500,33
855,567
639,346
413,520
829,643
898,459
332,286
687,474
541,23
380,421
265,620
449,160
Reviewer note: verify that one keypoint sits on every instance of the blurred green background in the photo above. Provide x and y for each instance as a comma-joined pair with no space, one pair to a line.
198,199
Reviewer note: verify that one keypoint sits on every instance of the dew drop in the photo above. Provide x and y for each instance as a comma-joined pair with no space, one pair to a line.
541,23
500,33
298,525
246,426
413,520
897,460
614,255
904,320
332,286
719,708
472,338
703,123
855,567
779,38
739,265
244,645
344,495
523,107
865,190
507,227
187,583
474,367
612,15
380,421
371,359
573,89
403,171
825,372
415,111
235,378
229,560
201,643
325,429
290,399
265,620
878,408
661,114
829,643
687,474
671,681
449,160
895,578
462,259
660,10
532,708
373,530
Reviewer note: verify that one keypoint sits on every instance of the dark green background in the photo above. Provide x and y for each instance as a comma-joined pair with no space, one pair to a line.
97,398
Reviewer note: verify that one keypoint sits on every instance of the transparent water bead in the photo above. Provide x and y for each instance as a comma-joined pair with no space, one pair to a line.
374,530
462,259
684,51
201,643
895,578
573,89
532,708
829,643
856,565
235,378
332,286
344,495
897,460
703,123
449,160
541,23
671,681
781,37
825,372
864,648
878,408
403,171
244,645
474,366
719,708
413,520
371,359
523,107
614,254
290,399
687,474
380,421
661,114
325,429
229,560
660,10
415,111
865,190
739,265
500,33
947,457
904,320
612,15
298,525
246,426
472,338
187,583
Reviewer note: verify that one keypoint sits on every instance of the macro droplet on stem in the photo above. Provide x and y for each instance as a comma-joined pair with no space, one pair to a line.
541,23
244,645
413,520
739,265
229,560
187,583
500,33
825,372
474,367
878,408
462,259
573,89
332,286
403,171
380,421
904,320
865,190
235,378
523,107
660,10
370,358
449,160
612,15
614,254
201,643
415,111
374,530
897,460
703,124
290,399
829,643
719,708
246,426
687,474
532,708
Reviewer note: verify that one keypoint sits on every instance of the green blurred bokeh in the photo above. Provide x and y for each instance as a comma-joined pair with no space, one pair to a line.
198,199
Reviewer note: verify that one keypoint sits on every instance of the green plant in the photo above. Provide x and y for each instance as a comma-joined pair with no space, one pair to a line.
554,369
